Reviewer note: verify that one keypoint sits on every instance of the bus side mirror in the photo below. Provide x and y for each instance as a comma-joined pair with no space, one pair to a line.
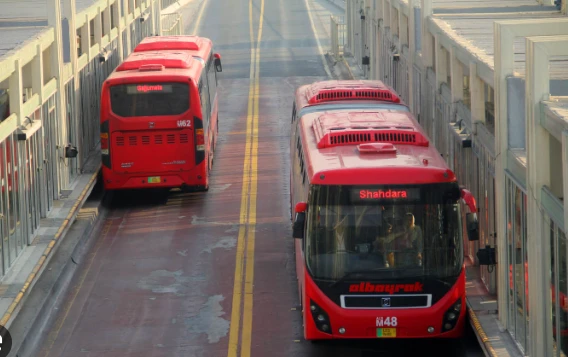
471,222
472,226
299,221
218,66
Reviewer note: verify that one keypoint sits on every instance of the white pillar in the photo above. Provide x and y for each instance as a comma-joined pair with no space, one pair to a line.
16,91
54,21
37,73
476,90
441,63
538,175
427,50
456,77
411,52
117,14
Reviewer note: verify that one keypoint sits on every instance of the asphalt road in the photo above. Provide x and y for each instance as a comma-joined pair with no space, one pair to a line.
160,279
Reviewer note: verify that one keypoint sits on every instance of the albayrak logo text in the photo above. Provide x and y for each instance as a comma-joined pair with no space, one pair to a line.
366,287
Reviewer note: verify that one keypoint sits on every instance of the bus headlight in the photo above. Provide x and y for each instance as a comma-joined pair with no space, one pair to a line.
321,318
451,316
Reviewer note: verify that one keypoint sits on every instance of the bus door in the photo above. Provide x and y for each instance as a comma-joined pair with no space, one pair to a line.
154,130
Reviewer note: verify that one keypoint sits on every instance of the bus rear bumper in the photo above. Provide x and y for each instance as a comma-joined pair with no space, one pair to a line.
186,180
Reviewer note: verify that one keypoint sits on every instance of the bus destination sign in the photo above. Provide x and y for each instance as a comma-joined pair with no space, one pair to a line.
384,194
149,88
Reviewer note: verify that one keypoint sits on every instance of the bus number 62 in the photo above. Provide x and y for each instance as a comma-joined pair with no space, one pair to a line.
184,123
387,321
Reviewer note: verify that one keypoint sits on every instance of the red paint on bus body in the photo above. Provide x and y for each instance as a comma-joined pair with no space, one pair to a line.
334,147
170,147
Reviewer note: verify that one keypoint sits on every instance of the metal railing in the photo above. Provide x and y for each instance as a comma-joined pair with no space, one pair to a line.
338,33
166,3
172,24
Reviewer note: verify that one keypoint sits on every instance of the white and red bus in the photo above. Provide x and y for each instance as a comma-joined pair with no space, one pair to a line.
377,222
159,115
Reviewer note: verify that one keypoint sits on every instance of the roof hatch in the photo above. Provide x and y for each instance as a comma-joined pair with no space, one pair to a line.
142,60
327,91
336,129
155,43
377,148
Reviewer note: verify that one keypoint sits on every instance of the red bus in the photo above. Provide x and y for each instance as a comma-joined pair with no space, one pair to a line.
377,224
159,114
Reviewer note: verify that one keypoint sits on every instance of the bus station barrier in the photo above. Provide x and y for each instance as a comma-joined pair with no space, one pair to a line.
338,32
172,24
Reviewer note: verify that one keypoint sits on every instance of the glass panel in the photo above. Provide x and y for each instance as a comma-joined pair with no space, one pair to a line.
3,208
151,99
519,271
525,270
368,231
553,281
510,256
563,291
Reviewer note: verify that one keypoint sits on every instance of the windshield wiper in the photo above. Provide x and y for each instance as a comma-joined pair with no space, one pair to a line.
354,272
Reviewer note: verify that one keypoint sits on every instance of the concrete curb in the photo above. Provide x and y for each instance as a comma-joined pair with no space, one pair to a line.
480,333
43,302
12,311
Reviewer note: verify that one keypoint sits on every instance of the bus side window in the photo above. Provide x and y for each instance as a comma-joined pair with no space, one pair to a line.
205,104
212,78
294,113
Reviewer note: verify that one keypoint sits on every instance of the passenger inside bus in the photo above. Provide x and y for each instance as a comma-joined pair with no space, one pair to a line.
367,237
406,244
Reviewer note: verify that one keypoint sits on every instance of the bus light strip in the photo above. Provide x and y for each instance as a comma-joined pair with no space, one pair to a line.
246,236
64,226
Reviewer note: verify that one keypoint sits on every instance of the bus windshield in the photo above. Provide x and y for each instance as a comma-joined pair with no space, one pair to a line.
149,99
384,232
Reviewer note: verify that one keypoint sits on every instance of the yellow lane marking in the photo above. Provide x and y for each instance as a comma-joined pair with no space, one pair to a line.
61,320
246,236
199,17
246,337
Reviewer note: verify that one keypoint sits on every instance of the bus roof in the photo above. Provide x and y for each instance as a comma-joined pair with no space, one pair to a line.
140,65
369,147
199,46
325,92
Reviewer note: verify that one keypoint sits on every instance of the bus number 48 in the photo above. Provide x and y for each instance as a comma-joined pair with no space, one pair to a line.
184,123
387,321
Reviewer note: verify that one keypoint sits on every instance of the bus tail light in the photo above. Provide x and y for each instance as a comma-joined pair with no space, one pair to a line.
321,318
452,316
105,145
199,140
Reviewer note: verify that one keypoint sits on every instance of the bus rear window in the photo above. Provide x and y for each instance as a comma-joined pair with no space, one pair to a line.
149,99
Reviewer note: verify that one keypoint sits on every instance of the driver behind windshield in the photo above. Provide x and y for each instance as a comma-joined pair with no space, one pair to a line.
405,247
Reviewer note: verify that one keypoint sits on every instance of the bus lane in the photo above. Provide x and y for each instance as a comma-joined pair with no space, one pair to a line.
159,279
